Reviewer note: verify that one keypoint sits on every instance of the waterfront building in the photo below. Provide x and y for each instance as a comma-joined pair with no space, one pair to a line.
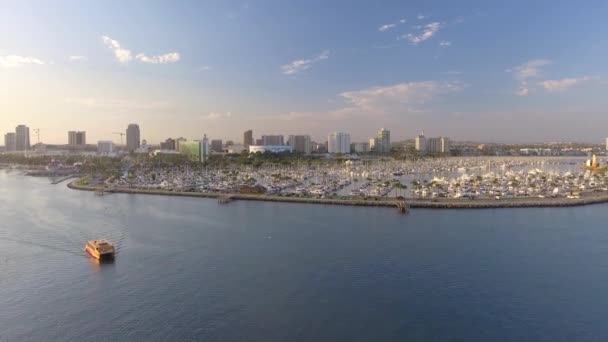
373,142
439,145
248,138
77,138
22,138
191,149
105,147
238,148
168,145
269,148
606,144
384,141
300,143
338,142
361,147
272,140
216,145
205,148
133,137
421,143
319,147
10,142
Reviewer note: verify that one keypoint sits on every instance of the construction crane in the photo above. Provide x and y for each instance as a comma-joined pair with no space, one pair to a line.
121,135
37,131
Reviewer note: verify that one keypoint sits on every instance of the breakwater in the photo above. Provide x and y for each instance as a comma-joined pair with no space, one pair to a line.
586,199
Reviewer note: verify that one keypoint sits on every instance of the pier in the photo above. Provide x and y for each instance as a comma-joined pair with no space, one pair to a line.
62,179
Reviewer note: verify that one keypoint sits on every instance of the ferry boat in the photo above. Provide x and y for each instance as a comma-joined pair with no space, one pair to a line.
100,249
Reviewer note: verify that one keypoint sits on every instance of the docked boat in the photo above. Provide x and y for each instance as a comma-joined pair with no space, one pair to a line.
100,249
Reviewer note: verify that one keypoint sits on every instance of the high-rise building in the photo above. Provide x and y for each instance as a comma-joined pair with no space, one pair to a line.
22,138
438,145
273,140
248,139
105,147
384,141
258,142
606,144
133,138
362,147
216,145
373,144
77,138
338,142
421,143
168,145
205,148
300,143
10,142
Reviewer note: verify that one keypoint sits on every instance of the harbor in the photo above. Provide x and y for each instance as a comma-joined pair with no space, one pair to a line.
428,183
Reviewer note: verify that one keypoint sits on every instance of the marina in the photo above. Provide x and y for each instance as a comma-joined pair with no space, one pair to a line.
523,180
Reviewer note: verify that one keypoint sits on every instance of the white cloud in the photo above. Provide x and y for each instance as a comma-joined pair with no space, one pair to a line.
122,55
459,20
13,61
386,27
530,69
420,17
445,43
523,90
77,58
524,72
399,95
109,103
217,115
300,65
204,68
454,72
171,57
564,83
426,32
403,21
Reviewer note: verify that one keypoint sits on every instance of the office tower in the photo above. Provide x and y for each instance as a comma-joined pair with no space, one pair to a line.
205,149
421,143
438,145
105,147
10,142
338,142
216,145
384,141
274,140
258,142
168,144
248,139
22,138
362,147
373,144
133,139
300,143
77,138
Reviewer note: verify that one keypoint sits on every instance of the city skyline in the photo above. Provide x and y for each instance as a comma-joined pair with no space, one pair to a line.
472,71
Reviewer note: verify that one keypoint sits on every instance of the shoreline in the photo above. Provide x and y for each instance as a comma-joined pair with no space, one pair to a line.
412,203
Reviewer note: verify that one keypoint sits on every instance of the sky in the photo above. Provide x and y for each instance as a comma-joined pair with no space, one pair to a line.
488,71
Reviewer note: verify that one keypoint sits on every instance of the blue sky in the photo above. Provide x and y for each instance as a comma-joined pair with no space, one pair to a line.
474,70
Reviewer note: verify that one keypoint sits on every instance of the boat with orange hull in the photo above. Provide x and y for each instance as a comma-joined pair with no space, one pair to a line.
100,249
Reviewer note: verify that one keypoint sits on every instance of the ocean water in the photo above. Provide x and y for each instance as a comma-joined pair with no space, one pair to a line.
191,269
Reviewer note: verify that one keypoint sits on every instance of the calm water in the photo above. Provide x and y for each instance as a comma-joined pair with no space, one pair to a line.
191,269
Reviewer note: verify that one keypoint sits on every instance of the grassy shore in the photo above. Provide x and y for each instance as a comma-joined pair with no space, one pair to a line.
413,203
